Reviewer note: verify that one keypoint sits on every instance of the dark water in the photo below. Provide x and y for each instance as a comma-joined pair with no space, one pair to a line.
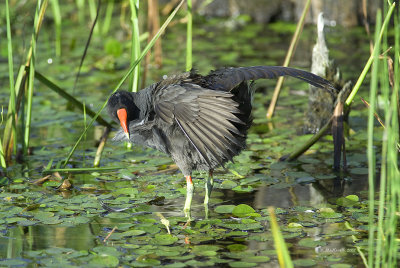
41,226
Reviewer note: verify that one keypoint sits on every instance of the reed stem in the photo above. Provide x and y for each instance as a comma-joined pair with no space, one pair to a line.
189,36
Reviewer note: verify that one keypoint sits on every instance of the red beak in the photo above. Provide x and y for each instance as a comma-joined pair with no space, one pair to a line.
123,116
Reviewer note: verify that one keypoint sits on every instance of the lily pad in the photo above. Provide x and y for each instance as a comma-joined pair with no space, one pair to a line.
164,239
224,209
242,210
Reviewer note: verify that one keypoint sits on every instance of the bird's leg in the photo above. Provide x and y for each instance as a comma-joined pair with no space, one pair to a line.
209,185
189,195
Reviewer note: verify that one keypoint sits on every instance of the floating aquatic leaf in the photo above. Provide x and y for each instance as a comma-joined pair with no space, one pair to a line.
310,242
243,189
237,233
133,233
304,262
236,247
164,239
242,264
104,261
341,265
328,213
242,210
224,209
13,262
257,259
194,263
228,184
347,201
175,265
294,225
359,171
14,219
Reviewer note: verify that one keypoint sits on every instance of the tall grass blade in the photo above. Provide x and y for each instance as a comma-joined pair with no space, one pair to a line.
370,60
145,50
12,105
189,35
81,10
8,138
108,16
370,149
388,206
134,5
39,15
87,45
57,20
3,162
93,13
280,246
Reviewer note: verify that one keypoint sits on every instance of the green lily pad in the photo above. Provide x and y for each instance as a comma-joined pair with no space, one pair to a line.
164,239
309,242
242,264
236,247
228,184
257,259
224,209
104,261
242,210
304,262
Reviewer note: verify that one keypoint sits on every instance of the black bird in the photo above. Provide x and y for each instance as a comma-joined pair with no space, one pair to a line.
200,121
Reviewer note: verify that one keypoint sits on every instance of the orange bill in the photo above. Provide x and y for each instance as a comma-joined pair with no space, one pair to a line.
123,120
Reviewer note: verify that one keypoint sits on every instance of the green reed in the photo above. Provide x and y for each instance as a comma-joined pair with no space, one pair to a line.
57,21
383,213
93,14
279,242
12,106
108,17
39,13
374,61
81,10
135,44
189,17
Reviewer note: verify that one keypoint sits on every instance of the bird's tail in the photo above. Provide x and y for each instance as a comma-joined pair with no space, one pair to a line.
229,78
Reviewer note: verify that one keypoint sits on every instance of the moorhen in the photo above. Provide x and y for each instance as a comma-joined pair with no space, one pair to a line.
200,121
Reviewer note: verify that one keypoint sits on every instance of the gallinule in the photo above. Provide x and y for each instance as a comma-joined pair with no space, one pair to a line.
200,121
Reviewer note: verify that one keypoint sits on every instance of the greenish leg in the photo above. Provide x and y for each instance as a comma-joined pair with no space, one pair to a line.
209,185
189,195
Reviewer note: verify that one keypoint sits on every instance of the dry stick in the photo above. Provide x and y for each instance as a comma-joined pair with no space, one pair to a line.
378,118
289,54
100,149
110,233
366,24
153,23
375,114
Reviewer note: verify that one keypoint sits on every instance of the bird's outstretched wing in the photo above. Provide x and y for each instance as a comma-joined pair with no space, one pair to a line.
206,117
228,78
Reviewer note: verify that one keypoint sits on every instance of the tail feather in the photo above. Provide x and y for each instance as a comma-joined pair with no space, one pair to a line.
229,78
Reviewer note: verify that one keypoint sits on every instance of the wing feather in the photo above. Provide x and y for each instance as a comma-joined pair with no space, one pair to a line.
206,117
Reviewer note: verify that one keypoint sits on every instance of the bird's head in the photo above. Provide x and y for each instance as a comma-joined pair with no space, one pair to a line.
122,109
